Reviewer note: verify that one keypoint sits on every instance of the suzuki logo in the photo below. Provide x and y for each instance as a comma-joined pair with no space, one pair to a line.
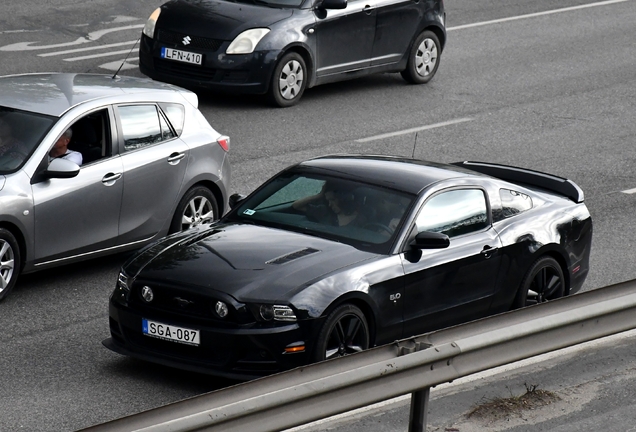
186,40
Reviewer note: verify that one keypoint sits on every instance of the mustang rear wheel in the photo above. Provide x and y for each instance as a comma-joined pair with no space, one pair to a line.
345,332
289,80
543,282
423,59
197,206
9,262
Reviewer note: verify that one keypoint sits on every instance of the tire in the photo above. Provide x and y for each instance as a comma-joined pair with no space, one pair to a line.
423,59
197,206
345,331
288,81
543,282
10,262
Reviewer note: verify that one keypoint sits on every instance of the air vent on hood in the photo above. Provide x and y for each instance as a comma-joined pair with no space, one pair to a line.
292,256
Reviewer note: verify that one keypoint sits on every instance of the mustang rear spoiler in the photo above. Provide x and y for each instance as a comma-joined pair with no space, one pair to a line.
512,174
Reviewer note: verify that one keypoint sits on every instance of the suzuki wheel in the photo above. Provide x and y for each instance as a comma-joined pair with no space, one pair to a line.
289,80
423,59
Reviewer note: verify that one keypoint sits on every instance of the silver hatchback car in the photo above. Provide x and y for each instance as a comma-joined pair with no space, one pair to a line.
93,164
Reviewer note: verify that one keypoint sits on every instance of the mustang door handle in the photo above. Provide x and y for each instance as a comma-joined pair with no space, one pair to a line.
488,251
175,158
110,178
368,9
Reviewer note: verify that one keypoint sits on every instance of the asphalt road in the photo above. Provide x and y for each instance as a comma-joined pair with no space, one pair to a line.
552,91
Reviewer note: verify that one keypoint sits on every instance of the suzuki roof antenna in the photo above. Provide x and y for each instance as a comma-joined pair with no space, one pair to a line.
414,145
127,55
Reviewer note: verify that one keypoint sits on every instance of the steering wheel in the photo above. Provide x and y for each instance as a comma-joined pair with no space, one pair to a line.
378,226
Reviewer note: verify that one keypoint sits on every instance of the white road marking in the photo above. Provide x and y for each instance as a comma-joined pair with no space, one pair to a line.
91,48
629,191
536,14
415,129
101,55
92,37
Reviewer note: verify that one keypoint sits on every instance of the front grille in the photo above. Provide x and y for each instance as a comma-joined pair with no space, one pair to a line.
198,42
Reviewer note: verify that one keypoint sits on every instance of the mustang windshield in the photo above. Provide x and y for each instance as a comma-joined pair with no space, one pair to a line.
360,214
20,134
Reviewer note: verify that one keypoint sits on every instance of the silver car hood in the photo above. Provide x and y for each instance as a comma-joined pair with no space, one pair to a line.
3,179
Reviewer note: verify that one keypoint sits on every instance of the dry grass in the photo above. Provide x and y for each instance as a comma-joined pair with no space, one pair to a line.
499,408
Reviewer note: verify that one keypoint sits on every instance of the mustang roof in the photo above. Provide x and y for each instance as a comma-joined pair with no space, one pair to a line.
55,93
409,175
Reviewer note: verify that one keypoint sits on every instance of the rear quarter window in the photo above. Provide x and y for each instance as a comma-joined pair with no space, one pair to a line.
513,202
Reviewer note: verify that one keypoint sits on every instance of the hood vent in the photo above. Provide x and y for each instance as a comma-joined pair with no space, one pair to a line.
292,256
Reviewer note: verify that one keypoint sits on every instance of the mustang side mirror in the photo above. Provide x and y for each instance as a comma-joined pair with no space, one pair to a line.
235,199
430,240
333,4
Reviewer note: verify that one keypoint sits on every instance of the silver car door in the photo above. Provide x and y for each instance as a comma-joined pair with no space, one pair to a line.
154,162
78,215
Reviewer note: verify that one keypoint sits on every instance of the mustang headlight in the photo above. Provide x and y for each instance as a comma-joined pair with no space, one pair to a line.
276,313
246,42
149,28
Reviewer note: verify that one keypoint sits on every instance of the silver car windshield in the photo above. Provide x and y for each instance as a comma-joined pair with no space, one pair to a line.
363,215
20,133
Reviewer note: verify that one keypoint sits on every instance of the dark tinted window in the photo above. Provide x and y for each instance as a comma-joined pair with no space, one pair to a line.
360,214
513,202
454,213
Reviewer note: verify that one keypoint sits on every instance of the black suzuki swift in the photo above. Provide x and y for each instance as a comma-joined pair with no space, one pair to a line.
282,47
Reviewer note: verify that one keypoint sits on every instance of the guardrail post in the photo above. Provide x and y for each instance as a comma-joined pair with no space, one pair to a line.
419,410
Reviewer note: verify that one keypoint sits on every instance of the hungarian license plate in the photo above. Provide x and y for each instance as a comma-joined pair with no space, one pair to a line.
181,56
170,332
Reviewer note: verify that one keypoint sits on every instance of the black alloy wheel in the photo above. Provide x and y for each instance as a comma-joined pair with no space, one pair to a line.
288,81
345,332
543,282
424,59
197,206
9,262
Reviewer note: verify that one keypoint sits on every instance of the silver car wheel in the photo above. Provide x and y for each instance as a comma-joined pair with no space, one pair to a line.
198,211
291,80
426,57
7,264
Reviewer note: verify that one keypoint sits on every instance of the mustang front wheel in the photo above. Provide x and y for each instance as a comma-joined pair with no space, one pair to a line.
544,281
9,262
289,80
423,59
345,332
197,206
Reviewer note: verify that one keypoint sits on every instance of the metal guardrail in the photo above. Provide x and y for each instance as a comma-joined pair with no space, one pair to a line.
412,365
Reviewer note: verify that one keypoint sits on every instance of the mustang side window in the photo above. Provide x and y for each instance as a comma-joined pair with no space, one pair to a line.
141,126
454,213
513,202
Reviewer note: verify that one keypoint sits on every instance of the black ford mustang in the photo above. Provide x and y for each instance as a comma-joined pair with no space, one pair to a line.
281,47
341,253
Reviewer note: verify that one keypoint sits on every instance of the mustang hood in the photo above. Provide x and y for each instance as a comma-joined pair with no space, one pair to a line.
250,263
217,19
